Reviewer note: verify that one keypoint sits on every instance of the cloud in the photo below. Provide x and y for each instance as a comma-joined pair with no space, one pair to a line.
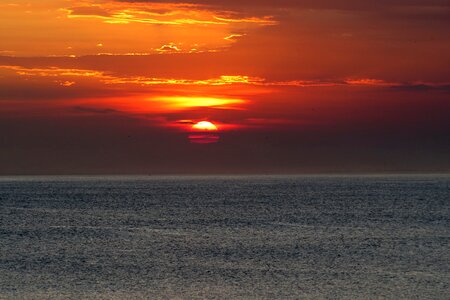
89,11
162,13
112,79
185,122
168,48
95,110
306,4
421,86
52,72
222,80
66,83
116,79
188,102
233,37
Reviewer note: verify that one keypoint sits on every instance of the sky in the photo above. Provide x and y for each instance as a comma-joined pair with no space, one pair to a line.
287,86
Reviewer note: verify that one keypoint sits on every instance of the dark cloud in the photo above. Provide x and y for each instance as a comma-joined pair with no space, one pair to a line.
89,10
95,110
45,91
422,87
310,4
188,122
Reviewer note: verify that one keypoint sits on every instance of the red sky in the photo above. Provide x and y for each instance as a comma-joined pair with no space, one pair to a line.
114,87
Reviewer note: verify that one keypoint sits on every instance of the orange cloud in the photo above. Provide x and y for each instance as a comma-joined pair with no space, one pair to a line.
222,80
53,72
171,47
264,21
139,80
184,102
66,83
161,13
369,81
118,27
111,79
233,36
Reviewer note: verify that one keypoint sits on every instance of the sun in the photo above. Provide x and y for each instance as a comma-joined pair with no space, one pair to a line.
204,126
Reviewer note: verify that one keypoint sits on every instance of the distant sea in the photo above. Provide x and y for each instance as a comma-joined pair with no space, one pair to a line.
225,237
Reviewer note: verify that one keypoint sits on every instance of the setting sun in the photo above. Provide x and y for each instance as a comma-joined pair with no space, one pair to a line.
204,126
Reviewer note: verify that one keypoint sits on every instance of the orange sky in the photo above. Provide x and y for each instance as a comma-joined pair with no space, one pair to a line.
93,86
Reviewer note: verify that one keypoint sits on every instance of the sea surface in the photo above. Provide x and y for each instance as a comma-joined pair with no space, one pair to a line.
225,237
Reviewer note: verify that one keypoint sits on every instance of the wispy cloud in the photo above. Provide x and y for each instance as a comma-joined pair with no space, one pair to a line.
233,36
139,80
171,47
162,14
66,78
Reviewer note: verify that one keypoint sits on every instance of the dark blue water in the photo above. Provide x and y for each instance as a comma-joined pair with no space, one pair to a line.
284,237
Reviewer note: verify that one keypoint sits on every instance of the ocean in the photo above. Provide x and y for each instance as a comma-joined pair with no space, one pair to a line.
225,237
